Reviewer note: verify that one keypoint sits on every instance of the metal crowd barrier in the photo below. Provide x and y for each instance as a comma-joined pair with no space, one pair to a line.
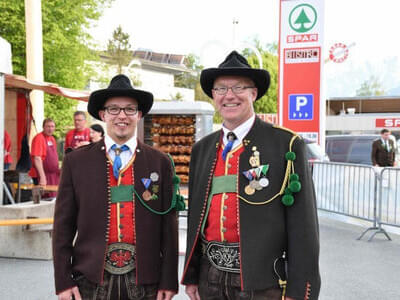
389,195
359,191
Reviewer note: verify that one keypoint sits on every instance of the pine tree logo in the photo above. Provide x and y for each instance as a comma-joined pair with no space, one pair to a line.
302,18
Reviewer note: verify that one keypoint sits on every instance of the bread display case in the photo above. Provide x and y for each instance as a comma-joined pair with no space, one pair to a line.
174,126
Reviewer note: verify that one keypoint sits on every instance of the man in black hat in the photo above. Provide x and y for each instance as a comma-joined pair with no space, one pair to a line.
252,225
115,230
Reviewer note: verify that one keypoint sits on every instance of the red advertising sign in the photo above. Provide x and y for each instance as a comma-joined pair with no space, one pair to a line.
300,49
387,122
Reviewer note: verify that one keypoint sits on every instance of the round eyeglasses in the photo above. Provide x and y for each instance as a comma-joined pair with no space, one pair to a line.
237,89
115,110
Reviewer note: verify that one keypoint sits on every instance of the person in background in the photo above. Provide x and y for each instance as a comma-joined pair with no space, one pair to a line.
252,221
44,156
80,135
96,133
383,150
7,151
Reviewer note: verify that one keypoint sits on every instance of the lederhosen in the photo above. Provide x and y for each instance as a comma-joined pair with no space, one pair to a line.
119,277
220,262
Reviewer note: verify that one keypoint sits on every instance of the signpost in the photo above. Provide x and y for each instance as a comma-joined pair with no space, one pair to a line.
301,106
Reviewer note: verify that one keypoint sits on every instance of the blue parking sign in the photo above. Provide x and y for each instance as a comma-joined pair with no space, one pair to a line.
301,107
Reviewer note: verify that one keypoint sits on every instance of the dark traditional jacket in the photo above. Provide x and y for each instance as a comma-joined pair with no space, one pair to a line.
266,231
82,209
380,155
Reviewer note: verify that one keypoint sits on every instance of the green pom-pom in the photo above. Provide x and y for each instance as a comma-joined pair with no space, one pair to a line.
288,200
180,205
294,177
290,155
295,186
176,180
288,191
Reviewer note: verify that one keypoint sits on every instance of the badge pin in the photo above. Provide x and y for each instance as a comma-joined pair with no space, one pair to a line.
118,151
154,176
155,188
146,195
255,158
249,190
253,184
264,182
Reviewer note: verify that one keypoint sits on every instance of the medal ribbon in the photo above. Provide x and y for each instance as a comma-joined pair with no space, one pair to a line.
146,182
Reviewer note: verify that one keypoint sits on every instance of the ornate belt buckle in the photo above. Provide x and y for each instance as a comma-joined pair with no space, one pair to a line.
224,257
120,258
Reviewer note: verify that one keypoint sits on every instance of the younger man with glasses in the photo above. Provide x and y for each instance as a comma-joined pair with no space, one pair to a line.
252,225
122,250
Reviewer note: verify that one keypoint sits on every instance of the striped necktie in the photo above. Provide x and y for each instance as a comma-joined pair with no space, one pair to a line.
228,147
117,160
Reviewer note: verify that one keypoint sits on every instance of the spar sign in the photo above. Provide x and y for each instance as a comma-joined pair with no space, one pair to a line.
301,107
387,122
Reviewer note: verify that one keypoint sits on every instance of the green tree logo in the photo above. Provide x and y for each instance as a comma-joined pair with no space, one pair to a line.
302,18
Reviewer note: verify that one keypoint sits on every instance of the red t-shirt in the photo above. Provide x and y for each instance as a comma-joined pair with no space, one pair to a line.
39,148
7,148
74,136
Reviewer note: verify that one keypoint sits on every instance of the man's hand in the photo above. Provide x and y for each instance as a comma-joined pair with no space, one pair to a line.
42,181
165,295
192,291
67,294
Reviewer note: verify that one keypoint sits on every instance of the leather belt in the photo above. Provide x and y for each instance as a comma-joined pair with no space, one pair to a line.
223,256
120,258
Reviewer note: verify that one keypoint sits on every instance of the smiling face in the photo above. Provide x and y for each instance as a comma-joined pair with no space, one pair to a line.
235,109
120,127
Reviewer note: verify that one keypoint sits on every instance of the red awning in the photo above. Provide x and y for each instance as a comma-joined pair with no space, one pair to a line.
17,81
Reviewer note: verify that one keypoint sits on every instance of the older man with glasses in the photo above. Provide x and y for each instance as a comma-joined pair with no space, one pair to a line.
252,225
114,236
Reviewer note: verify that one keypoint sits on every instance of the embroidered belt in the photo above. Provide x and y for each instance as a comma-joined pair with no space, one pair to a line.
223,256
120,258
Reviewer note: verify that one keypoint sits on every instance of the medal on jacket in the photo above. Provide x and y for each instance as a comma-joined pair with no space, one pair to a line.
154,176
256,175
146,194
255,158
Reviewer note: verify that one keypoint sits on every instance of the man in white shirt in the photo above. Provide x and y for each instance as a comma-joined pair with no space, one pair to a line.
383,150
252,225
108,199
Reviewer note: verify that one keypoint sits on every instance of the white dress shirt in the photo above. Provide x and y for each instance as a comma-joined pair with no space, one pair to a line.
241,131
125,156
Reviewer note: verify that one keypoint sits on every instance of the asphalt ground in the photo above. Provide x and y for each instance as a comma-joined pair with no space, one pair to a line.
350,269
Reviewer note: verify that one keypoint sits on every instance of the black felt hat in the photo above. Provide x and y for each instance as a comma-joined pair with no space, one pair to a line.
120,86
235,65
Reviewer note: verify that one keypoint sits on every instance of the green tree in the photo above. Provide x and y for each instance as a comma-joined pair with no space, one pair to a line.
371,87
119,49
268,102
189,79
302,19
66,46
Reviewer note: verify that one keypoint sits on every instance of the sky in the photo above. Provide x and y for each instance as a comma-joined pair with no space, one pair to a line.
206,29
